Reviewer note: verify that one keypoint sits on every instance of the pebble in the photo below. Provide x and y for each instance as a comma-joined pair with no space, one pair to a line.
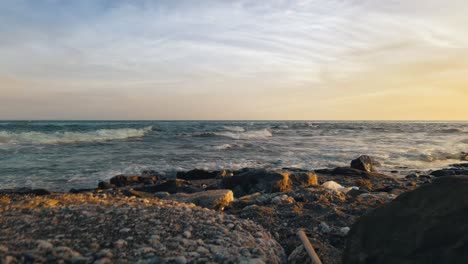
324,227
187,234
345,230
120,244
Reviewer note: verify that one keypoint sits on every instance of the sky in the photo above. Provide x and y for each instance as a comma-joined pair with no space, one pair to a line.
236,59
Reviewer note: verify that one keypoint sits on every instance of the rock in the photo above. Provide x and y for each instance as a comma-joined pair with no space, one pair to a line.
120,244
258,181
282,199
324,227
130,192
129,180
214,199
43,245
105,185
427,225
196,174
25,191
223,174
459,170
162,195
347,171
299,256
170,186
412,176
344,230
365,163
303,179
331,185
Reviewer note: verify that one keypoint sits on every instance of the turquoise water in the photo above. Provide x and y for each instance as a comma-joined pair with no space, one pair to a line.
60,155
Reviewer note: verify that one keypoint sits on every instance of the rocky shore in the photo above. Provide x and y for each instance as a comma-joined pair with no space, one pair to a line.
242,216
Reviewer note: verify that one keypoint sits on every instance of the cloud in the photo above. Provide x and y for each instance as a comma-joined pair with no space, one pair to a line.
277,51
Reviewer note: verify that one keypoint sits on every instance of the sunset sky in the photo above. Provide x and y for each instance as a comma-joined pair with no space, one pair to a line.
333,59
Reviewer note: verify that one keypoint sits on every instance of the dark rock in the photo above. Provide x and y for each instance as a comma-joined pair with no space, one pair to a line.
450,172
394,171
149,173
223,174
196,174
130,192
303,179
258,181
129,180
356,192
81,190
170,186
427,225
105,185
25,191
365,163
214,199
347,171
412,176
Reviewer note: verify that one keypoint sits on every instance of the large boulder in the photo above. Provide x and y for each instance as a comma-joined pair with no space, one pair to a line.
455,169
303,179
258,181
170,186
196,174
129,180
427,225
213,199
25,191
365,163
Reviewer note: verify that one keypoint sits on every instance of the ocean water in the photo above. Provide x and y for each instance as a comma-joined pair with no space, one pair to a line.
60,155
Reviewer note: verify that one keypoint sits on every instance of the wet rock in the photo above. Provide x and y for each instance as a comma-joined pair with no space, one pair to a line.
170,186
303,179
196,174
213,199
454,171
25,191
224,173
347,171
427,225
258,181
162,195
130,180
105,185
365,163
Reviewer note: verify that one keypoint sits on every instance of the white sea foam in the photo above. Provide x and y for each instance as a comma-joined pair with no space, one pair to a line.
234,128
247,135
34,137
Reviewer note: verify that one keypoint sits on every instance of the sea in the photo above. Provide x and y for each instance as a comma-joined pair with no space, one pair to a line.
60,155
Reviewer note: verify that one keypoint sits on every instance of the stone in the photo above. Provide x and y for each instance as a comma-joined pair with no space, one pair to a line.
170,186
344,230
299,256
196,174
324,227
213,199
365,163
303,179
105,185
25,191
162,195
260,180
131,180
427,225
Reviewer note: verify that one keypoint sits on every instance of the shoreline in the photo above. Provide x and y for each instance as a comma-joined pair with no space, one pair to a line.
326,203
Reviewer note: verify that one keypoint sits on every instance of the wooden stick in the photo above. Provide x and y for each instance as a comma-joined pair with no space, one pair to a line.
308,247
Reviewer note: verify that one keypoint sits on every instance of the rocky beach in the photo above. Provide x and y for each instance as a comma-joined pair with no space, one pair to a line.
351,214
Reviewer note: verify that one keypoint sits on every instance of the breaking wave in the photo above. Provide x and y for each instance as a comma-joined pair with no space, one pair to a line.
34,137
441,156
247,135
234,128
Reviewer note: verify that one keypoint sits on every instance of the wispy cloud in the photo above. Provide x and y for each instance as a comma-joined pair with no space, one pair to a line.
270,50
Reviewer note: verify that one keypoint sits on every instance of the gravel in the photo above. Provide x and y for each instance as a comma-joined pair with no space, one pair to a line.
102,228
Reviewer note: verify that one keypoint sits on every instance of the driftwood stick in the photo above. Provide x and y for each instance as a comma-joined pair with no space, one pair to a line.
308,247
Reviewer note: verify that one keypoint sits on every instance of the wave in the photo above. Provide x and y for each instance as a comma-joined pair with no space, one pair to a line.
34,137
441,156
247,135
234,128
